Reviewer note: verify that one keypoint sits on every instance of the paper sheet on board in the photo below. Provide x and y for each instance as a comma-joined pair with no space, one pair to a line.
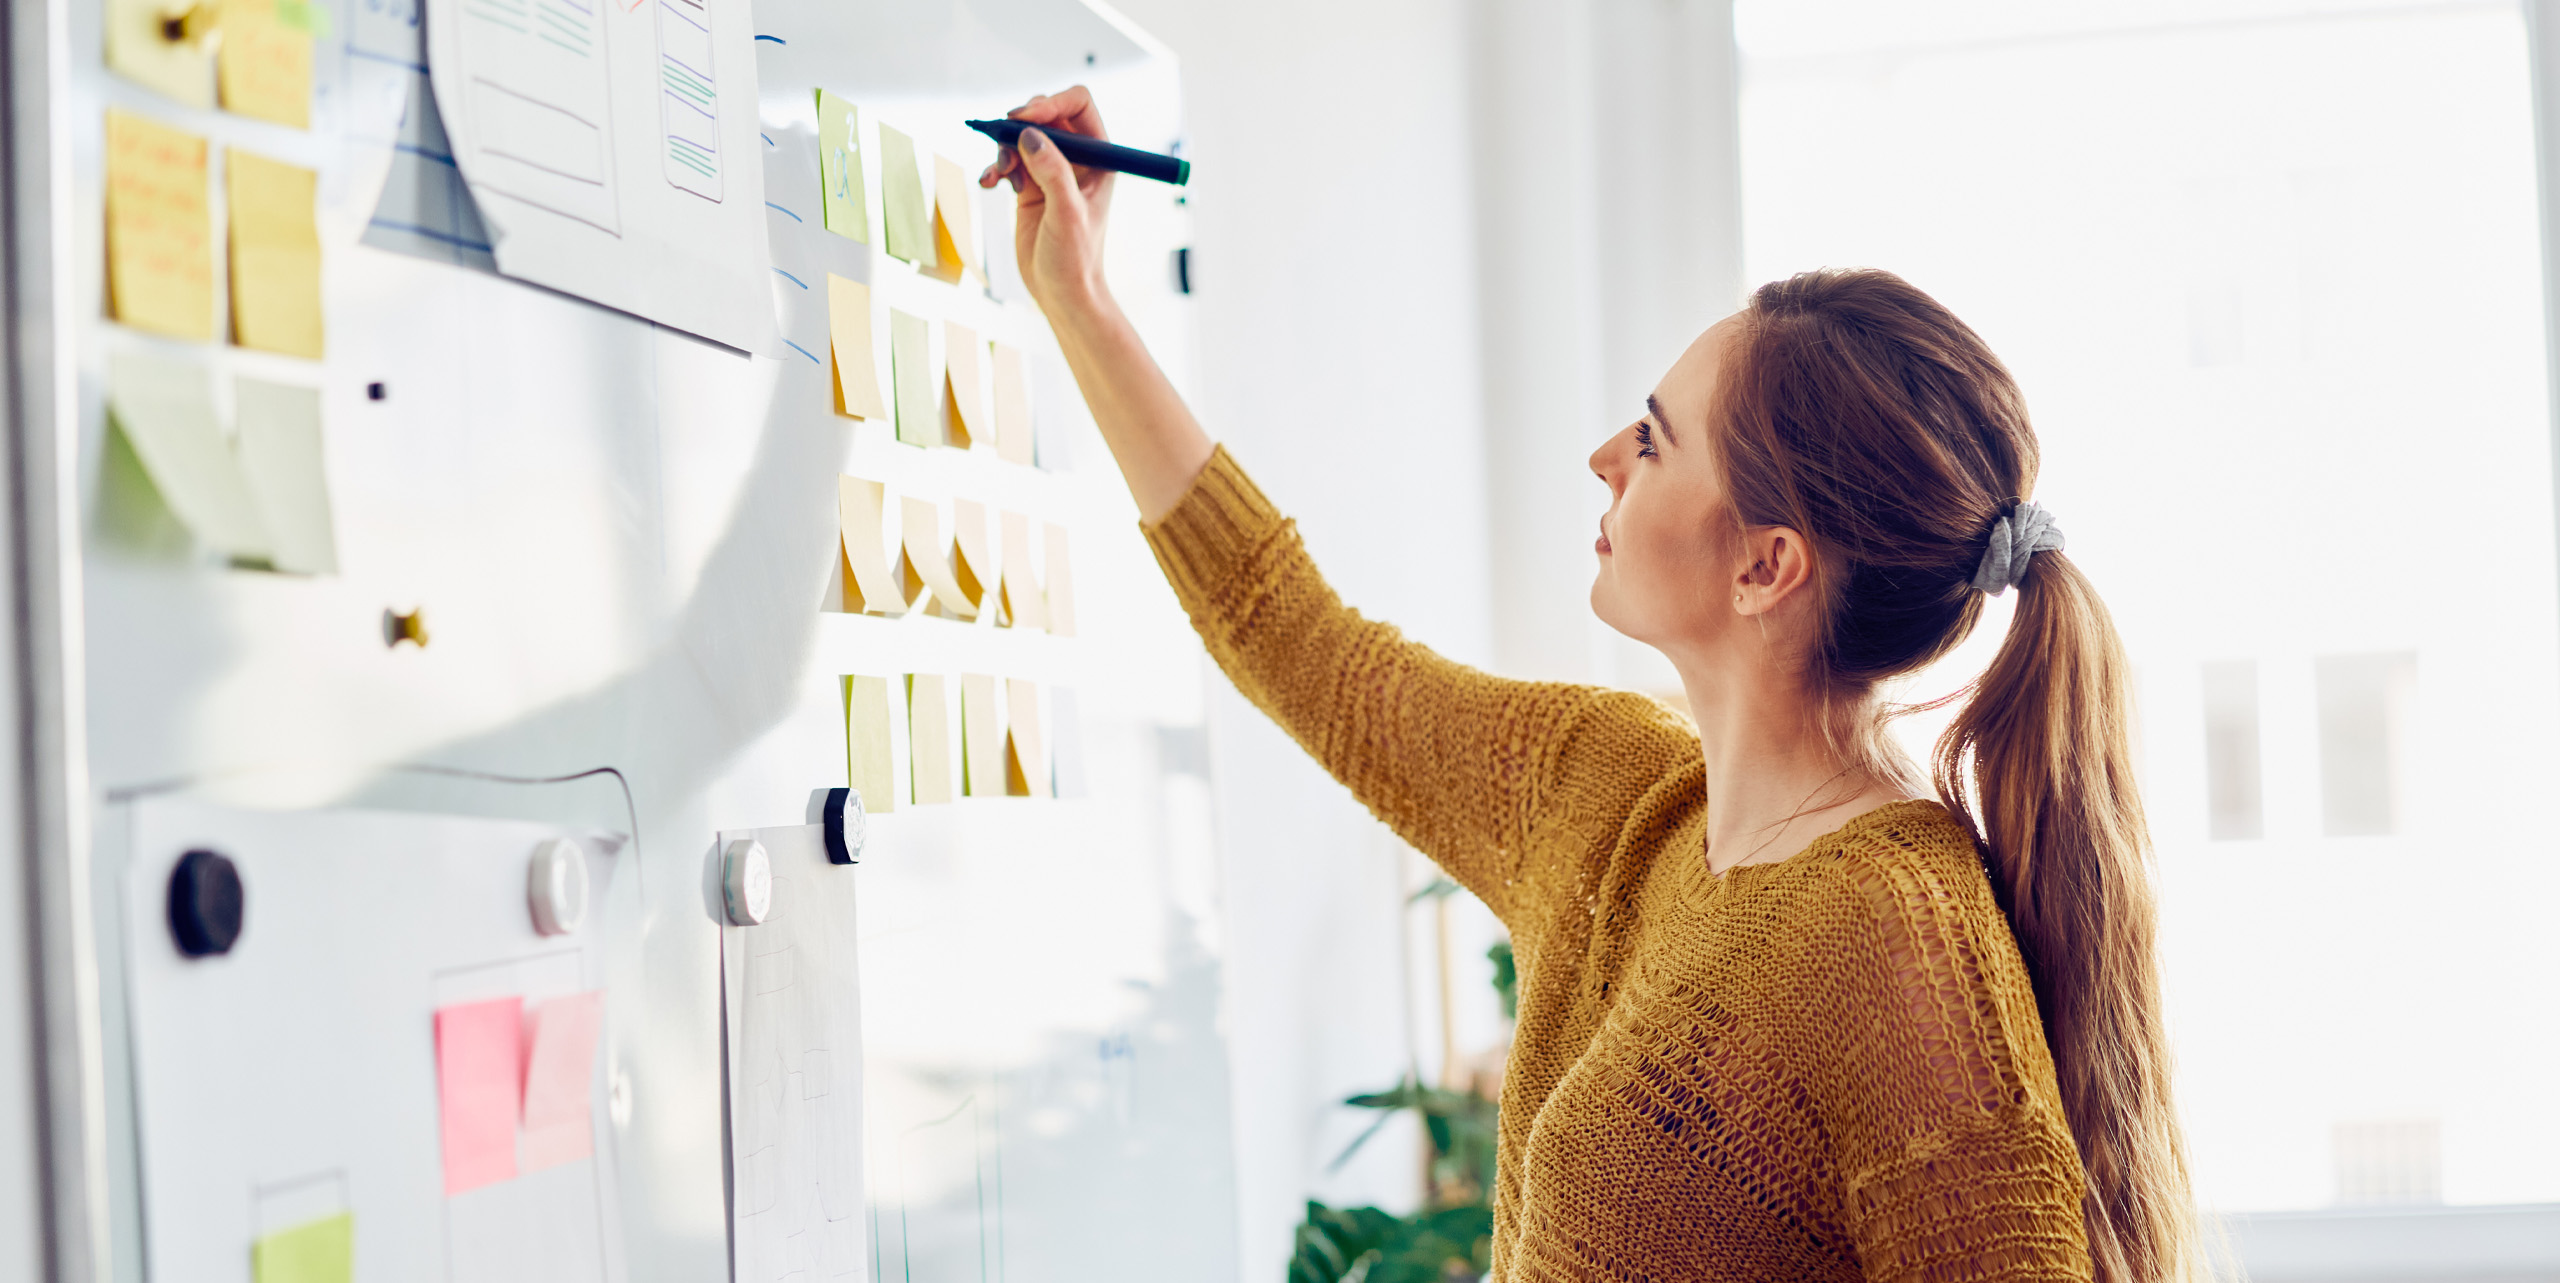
929,738
275,255
614,151
793,990
866,742
159,228
981,742
926,560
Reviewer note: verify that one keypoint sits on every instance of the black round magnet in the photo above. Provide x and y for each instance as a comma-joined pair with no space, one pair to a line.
846,826
205,904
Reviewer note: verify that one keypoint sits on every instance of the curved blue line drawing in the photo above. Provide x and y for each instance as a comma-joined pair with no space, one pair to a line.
776,39
794,217
813,357
789,277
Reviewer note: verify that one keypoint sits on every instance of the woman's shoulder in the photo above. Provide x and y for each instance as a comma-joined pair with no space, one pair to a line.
1905,875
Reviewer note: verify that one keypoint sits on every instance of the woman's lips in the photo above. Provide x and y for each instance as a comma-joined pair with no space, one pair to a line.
1602,544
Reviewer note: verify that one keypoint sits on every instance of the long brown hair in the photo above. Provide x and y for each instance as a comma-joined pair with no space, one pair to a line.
1857,410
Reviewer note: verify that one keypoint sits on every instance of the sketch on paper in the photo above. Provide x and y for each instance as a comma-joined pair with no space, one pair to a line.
689,97
795,1072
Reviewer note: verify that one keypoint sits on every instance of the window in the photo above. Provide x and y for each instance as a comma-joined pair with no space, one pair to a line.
2269,275
2233,798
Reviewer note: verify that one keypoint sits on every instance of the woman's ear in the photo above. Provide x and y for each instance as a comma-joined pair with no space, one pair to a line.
1776,563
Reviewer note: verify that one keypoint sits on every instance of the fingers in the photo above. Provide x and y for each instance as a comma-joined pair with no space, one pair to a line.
1008,164
1040,161
1071,109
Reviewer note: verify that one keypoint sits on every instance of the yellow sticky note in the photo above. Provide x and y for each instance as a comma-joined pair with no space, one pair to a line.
1012,407
159,228
911,374
1026,757
870,585
275,255
323,1251
866,742
847,213
928,738
1061,591
981,743
960,348
955,223
902,203
161,45
926,562
265,64
280,457
1022,604
849,349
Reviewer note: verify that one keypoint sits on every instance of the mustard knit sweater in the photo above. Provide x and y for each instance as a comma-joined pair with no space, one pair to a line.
1828,1067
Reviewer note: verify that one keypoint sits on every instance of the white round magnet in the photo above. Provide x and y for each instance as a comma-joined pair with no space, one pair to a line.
556,886
747,881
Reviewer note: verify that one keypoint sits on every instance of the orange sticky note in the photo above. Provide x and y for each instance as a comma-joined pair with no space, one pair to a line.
264,65
973,566
559,1081
955,223
1061,588
849,349
981,744
928,738
870,585
1026,757
960,349
275,255
159,228
477,1059
1013,406
1021,595
926,562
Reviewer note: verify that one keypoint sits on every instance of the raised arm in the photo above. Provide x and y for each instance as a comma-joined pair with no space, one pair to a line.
1509,785
1059,218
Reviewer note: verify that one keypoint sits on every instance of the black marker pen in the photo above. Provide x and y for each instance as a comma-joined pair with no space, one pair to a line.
1093,153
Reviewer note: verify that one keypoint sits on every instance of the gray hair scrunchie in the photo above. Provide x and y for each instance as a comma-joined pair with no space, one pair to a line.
2015,540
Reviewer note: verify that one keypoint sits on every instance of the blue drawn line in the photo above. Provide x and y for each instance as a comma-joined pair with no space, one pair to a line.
423,154
780,41
768,140
418,67
813,357
789,277
433,235
794,217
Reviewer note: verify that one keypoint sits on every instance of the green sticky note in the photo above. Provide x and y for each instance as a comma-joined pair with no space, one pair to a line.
840,168
323,1251
911,373
902,204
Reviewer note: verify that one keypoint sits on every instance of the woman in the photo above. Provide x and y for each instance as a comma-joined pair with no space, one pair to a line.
1828,1027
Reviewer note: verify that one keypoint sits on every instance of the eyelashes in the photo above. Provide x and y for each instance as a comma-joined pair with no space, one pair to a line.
1644,441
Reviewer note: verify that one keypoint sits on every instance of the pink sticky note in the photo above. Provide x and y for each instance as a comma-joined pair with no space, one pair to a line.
559,1080
477,1059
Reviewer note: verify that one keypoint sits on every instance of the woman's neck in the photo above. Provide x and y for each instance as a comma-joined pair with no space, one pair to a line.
1774,781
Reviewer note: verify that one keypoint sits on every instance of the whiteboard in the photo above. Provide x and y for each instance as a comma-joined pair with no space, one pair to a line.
622,537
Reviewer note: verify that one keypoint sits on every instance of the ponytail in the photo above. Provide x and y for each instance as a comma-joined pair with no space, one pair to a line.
2051,790
1858,410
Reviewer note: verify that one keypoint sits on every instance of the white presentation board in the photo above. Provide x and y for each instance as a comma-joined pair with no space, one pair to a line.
622,543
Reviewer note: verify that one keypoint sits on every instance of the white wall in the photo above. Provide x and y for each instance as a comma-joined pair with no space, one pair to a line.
1441,248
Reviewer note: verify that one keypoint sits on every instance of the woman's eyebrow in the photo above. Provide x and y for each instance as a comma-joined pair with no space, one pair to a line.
1660,420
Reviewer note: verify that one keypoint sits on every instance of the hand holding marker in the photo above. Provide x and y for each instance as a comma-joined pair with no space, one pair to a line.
1093,153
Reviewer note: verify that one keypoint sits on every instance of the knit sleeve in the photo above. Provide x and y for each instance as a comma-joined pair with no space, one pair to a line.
1929,1069
1458,762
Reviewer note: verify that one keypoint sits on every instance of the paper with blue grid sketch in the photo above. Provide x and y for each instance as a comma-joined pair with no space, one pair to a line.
792,989
612,150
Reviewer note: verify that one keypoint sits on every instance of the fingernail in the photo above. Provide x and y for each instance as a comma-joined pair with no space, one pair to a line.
1032,140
